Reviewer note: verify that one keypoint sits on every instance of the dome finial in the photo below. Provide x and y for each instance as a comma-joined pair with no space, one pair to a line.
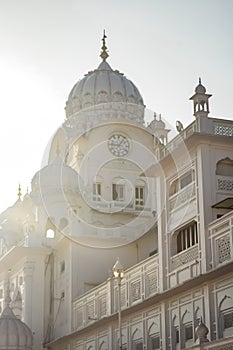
199,80
58,149
7,297
104,54
19,191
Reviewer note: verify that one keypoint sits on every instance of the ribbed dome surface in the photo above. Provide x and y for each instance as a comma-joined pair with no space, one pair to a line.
101,86
14,334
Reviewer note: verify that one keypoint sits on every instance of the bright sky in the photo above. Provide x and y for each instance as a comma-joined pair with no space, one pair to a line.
163,46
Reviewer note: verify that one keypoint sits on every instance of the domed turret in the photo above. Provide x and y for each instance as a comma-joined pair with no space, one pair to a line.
103,85
56,177
160,132
200,101
200,89
14,334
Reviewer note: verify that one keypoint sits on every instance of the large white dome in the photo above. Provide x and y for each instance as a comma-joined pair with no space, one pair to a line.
103,85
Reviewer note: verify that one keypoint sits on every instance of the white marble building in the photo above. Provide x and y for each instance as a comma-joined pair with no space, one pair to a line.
116,187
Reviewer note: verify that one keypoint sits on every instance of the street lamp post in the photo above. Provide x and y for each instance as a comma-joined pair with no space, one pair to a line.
118,273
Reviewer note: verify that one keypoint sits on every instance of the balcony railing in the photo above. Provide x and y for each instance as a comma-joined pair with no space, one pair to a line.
221,240
140,282
220,344
169,148
213,126
184,257
182,197
119,206
91,306
224,183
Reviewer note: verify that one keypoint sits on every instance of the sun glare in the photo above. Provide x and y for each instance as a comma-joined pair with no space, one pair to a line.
28,115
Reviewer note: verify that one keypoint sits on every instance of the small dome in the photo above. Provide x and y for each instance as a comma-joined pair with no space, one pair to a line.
157,123
14,334
102,85
56,176
200,89
201,330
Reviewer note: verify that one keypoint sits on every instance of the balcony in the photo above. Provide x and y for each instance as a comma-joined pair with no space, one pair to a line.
182,197
220,344
139,283
210,126
184,257
221,240
120,207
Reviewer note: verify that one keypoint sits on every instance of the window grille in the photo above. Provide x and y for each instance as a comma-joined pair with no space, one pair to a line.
187,237
224,249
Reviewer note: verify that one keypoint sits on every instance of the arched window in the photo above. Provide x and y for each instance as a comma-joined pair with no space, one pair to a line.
180,183
224,167
103,346
118,189
140,194
226,316
153,339
174,187
186,237
137,342
97,189
50,228
187,330
175,333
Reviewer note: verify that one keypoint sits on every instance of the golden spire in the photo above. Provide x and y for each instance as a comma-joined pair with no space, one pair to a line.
104,54
19,191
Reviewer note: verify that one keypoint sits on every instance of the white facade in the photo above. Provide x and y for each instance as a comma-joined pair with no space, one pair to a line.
117,188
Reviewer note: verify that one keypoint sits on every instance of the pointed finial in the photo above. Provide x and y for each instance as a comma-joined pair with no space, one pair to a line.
58,149
104,54
7,297
19,191
199,80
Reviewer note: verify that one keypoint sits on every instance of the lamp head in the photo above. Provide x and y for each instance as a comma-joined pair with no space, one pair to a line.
118,270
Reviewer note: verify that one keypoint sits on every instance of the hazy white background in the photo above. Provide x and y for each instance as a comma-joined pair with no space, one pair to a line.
47,45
